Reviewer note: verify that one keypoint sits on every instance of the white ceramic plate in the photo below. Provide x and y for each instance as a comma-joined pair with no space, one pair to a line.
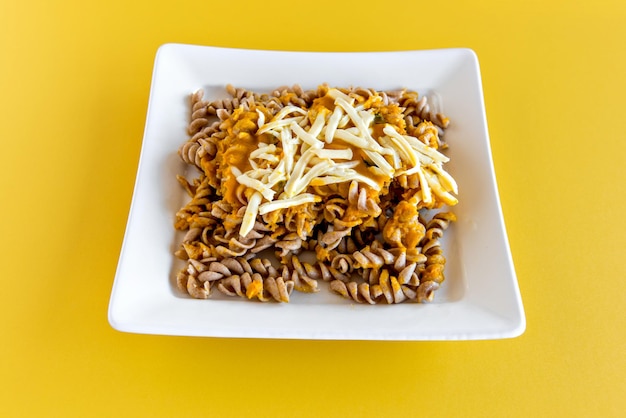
480,298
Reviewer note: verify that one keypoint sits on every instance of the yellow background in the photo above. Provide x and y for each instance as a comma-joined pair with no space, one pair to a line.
74,85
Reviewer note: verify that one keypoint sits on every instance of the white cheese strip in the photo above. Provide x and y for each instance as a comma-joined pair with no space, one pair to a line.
287,110
386,143
352,139
306,137
449,199
340,171
316,160
405,151
402,145
410,171
277,175
319,123
263,148
358,122
417,145
368,142
249,218
289,148
321,181
253,164
287,203
426,150
434,184
271,127
302,183
368,118
269,157
258,173
336,94
380,162
297,173
445,178
343,122
261,120
253,184
334,154
346,170
264,152
364,179
346,165
304,147
332,124
354,116
353,175
347,176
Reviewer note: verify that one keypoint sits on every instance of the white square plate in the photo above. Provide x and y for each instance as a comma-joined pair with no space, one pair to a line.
480,298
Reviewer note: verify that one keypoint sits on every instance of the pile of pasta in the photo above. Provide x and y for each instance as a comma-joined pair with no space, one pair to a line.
333,182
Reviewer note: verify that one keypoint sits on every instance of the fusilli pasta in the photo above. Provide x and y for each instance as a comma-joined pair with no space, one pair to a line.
342,174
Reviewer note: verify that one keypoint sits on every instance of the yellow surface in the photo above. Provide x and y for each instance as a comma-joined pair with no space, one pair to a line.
74,84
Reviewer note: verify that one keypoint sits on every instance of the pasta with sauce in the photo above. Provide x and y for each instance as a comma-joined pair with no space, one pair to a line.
345,174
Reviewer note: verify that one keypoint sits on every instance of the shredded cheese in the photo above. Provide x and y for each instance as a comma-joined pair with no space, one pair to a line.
303,156
287,203
249,218
334,154
306,137
332,125
272,126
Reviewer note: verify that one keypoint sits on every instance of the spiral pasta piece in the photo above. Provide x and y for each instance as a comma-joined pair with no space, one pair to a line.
254,286
198,113
431,247
420,108
388,290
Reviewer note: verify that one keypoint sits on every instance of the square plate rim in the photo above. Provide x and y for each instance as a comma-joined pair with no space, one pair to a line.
513,327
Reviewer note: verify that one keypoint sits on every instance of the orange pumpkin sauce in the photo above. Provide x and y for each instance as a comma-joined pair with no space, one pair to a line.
235,149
